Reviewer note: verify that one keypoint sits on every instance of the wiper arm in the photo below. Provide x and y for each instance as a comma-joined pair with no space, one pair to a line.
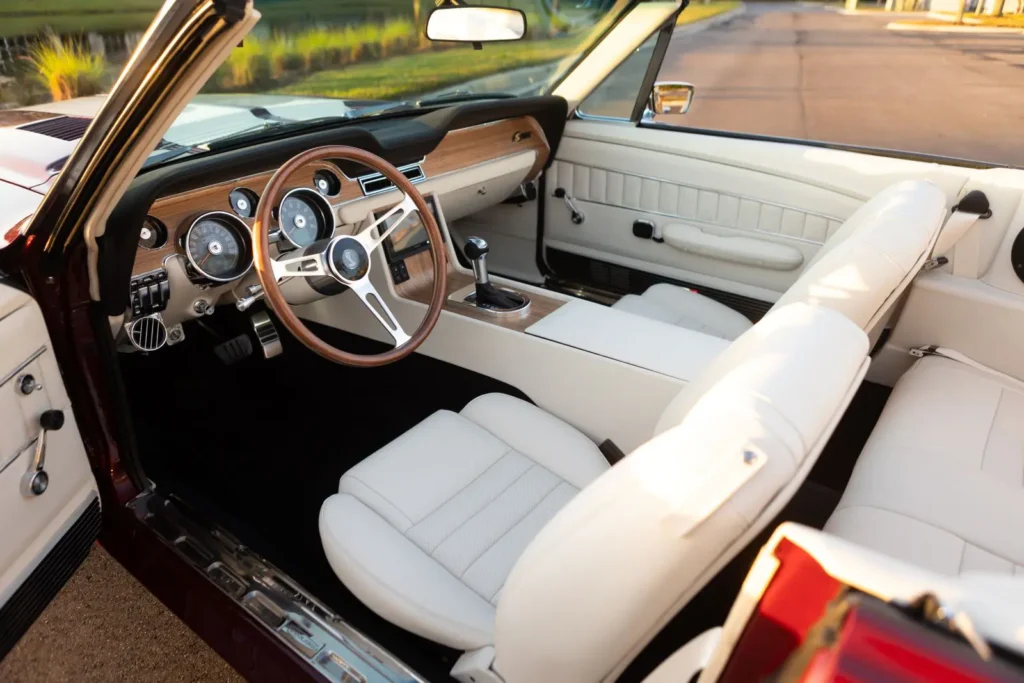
464,96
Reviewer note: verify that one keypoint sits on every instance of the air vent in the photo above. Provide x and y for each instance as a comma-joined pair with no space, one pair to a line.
377,183
147,334
68,128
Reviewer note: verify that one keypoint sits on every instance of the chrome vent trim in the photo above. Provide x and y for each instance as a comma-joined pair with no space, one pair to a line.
147,334
375,183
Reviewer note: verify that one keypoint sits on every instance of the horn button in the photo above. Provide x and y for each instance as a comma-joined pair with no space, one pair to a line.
349,259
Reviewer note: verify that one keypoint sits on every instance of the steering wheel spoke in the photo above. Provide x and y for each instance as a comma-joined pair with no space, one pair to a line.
373,301
403,210
299,265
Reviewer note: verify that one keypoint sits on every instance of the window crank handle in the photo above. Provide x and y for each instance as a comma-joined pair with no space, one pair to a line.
576,214
36,480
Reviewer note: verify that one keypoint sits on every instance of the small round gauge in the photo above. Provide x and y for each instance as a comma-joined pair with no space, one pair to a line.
218,247
243,201
326,182
305,217
153,234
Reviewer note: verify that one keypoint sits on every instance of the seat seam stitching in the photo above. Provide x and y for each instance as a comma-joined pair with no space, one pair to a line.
384,498
468,484
991,428
477,512
930,524
509,530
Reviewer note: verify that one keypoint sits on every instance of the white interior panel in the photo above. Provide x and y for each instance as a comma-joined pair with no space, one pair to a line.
32,524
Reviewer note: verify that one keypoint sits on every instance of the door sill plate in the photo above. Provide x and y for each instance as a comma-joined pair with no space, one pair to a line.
331,646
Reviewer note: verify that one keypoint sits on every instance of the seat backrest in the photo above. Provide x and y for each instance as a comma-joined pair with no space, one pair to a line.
636,544
865,266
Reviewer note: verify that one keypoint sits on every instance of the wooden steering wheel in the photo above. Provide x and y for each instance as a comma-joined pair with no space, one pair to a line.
347,259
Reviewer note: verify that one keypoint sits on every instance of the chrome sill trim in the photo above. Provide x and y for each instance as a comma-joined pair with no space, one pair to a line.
296,618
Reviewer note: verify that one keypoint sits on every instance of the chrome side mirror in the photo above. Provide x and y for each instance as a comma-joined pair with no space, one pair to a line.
669,97
468,24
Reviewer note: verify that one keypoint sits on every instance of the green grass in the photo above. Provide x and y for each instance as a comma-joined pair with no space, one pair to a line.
426,71
697,12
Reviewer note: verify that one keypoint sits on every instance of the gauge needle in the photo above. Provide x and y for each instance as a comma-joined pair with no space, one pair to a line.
204,258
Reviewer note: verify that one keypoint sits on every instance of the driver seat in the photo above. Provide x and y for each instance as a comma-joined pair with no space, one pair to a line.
504,514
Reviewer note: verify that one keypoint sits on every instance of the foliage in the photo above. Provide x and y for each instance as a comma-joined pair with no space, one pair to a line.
66,68
259,61
423,72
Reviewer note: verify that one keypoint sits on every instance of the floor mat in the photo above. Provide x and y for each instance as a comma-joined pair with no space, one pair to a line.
257,446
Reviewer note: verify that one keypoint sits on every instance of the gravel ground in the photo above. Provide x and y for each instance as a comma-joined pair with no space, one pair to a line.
104,626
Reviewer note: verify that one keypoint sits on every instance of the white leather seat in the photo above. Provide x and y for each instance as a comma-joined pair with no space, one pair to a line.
860,271
468,529
426,529
939,483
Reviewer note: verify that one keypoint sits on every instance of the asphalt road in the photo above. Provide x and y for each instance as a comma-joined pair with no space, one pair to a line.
809,72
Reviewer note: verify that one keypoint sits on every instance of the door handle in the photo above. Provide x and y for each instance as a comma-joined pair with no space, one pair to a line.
36,480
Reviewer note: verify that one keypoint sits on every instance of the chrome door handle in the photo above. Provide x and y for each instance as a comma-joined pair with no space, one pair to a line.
36,480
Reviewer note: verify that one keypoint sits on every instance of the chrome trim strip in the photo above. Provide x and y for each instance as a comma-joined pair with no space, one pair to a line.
274,600
25,448
597,117
699,187
24,364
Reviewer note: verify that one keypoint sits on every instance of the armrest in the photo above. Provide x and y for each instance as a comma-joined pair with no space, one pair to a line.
748,251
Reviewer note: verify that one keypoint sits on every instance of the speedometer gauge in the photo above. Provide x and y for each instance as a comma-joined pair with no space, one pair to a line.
219,247
305,217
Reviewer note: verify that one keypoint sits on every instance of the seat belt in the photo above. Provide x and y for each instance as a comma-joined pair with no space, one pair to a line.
957,357
957,233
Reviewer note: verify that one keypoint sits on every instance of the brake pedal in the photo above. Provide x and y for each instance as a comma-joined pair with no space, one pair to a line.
267,334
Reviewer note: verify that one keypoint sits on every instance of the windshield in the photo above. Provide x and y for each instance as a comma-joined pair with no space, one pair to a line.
308,62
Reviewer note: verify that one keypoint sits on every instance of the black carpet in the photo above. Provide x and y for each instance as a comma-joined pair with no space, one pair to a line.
259,445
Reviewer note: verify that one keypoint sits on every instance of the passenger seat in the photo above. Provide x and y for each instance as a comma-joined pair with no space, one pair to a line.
940,482
860,271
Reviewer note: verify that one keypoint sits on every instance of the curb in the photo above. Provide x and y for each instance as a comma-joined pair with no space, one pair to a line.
710,22
940,28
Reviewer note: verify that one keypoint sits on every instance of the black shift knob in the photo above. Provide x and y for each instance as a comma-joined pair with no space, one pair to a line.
51,420
476,248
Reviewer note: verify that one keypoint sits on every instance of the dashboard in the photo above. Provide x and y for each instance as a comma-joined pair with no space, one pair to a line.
193,249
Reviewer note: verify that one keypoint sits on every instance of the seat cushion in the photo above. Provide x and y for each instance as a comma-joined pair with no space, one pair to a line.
685,308
426,530
940,483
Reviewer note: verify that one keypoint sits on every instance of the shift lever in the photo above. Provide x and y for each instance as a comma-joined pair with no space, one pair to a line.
487,295
476,251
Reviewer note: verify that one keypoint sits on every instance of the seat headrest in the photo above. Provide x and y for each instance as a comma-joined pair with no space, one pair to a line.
633,546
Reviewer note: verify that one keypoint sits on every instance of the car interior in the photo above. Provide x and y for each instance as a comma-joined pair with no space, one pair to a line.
637,350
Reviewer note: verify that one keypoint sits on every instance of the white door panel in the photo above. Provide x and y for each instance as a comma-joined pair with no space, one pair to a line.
33,524
749,214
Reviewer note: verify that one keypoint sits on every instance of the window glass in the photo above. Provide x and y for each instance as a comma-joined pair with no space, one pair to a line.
617,94
865,77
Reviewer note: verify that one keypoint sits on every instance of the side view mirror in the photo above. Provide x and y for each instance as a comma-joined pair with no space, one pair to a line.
469,24
670,97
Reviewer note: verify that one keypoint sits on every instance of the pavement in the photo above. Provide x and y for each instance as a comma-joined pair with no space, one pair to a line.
809,72
105,626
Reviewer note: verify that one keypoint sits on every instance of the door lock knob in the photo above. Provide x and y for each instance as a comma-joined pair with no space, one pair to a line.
36,480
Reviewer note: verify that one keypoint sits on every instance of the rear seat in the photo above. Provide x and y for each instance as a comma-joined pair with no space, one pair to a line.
940,482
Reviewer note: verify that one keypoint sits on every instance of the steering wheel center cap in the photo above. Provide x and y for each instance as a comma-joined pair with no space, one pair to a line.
349,259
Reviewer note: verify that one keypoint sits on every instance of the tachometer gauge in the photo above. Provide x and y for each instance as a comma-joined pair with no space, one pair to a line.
305,217
218,247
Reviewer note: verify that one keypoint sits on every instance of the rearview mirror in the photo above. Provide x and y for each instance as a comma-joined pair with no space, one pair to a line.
465,24
671,97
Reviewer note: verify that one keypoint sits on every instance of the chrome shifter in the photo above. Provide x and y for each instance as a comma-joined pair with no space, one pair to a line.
476,251
487,297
